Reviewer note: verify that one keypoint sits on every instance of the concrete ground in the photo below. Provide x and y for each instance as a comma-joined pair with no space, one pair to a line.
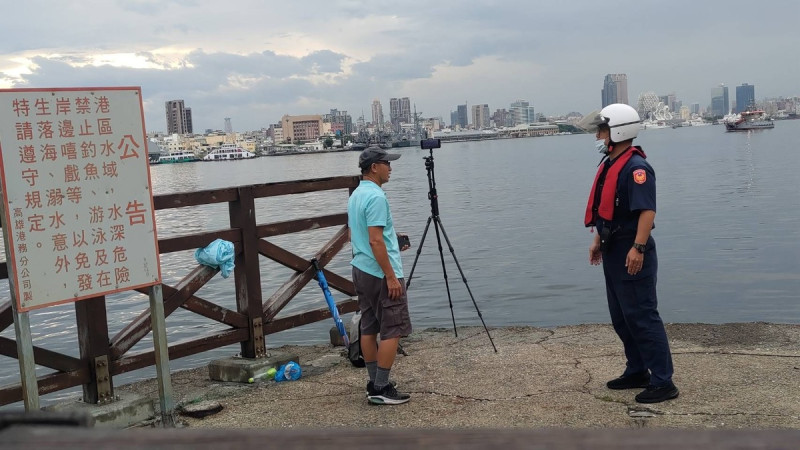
744,375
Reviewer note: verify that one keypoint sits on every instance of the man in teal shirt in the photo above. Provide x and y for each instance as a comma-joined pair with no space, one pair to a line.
378,275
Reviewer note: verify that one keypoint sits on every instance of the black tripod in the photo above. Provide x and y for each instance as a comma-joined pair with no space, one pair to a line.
437,226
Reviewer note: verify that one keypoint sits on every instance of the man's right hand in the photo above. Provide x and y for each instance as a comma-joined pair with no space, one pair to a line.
595,256
395,288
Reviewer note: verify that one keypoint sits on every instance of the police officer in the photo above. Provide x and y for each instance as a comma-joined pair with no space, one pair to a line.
622,208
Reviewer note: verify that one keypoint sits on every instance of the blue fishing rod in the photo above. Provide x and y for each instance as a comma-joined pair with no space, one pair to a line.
323,284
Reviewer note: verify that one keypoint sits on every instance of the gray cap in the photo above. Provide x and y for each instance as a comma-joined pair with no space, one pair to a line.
374,154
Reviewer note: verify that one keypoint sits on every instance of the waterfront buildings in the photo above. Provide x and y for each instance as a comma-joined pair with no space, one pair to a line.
502,118
339,122
463,119
179,117
399,112
615,89
480,116
720,104
745,97
301,128
522,113
377,114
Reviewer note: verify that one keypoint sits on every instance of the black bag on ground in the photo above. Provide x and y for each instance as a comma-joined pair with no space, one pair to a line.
354,351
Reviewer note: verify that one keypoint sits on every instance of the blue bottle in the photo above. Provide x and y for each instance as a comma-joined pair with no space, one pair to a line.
288,372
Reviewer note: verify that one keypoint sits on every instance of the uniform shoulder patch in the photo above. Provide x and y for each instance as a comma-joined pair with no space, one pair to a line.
639,176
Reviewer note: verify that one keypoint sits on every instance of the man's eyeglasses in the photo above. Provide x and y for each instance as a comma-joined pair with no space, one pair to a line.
383,162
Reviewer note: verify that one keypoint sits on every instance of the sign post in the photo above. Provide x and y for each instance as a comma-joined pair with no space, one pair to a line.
77,207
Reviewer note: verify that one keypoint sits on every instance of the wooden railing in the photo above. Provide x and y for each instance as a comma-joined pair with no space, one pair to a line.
253,319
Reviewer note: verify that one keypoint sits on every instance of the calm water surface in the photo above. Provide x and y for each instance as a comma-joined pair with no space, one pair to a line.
726,228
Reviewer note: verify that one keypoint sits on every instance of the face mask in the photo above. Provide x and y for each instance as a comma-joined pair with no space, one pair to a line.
601,146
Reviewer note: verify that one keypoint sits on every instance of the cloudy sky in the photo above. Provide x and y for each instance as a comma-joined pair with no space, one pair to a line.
255,60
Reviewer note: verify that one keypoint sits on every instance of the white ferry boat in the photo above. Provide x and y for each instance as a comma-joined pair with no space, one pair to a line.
177,157
228,152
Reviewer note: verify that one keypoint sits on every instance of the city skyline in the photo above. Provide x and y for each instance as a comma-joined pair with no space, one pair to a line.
254,74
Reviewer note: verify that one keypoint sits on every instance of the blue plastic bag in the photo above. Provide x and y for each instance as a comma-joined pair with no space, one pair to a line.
288,372
218,254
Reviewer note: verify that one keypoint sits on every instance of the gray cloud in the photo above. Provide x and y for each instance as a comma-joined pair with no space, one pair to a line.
252,62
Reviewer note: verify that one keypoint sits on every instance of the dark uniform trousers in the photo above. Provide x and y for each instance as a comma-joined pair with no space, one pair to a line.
633,306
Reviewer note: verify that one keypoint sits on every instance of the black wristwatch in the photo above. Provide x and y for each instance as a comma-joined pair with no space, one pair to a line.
639,247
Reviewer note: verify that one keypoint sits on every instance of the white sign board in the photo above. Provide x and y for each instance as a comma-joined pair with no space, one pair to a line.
79,218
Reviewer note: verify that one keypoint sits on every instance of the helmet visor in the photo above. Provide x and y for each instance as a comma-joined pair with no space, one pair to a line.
591,121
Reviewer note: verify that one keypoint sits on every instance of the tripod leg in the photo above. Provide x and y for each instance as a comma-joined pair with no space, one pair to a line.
438,225
419,250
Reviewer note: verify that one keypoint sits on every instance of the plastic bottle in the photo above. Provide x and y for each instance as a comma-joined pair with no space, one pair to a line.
288,372
268,375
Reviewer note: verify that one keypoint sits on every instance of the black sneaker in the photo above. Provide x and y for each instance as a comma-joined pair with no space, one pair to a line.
371,387
388,396
634,381
658,394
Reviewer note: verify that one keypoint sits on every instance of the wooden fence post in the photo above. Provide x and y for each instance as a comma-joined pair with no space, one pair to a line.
247,272
93,342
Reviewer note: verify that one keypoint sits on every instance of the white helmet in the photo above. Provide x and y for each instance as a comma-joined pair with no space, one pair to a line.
623,121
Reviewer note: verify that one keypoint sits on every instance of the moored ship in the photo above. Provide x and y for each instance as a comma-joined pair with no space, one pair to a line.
749,120
228,152
177,157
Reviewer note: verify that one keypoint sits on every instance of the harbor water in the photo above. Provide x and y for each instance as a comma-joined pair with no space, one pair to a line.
726,230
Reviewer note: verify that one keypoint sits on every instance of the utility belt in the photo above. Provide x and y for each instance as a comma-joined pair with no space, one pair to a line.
606,235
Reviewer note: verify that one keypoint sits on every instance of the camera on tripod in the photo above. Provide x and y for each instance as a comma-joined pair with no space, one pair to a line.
430,144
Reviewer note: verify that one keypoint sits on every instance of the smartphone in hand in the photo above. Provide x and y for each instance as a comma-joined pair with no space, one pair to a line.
403,241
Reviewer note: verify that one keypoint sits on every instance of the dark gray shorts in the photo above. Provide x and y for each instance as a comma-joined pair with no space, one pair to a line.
379,313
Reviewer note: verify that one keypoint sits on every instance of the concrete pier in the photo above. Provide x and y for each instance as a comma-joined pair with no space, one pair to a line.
743,375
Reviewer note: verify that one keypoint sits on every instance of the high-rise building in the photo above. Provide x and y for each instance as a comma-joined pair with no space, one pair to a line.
522,113
228,125
480,116
695,108
188,120
377,114
615,89
745,97
399,111
176,118
405,110
463,119
394,111
453,118
720,105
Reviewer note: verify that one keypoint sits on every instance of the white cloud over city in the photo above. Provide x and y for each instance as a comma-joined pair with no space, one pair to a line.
254,61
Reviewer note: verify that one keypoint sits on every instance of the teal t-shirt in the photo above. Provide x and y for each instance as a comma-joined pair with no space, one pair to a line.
369,207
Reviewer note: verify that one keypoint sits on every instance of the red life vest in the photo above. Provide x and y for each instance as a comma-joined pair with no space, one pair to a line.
606,208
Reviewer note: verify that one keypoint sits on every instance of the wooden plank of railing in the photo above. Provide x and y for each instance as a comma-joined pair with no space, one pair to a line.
195,198
215,312
302,186
299,264
296,282
198,240
47,383
180,349
43,357
305,318
174,298
6,315
296,226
